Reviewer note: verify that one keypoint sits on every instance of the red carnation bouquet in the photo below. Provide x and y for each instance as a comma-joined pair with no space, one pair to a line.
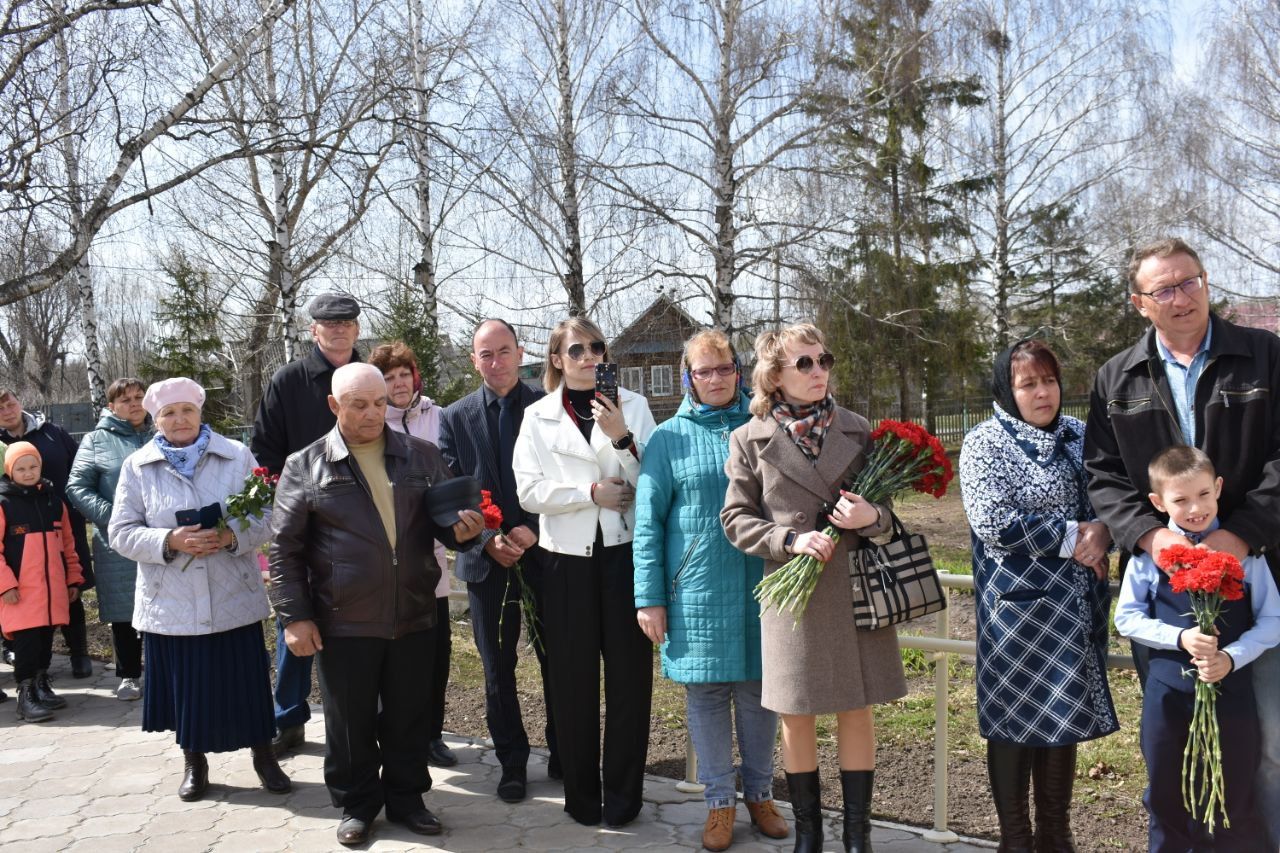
903,456
1209,578
258,493
528,607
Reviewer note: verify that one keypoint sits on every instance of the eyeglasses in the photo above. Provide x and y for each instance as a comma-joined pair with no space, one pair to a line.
805,363
1164,295
705,373
578,352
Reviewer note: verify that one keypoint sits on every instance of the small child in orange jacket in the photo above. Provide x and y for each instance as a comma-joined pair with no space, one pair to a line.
40,576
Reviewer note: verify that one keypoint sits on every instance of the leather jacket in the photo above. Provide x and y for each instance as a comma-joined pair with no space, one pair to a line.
1237,406
331,562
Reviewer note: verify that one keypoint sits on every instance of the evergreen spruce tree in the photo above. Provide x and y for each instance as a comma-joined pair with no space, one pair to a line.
189,343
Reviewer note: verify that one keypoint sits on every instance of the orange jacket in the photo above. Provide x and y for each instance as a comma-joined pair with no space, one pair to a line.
39,557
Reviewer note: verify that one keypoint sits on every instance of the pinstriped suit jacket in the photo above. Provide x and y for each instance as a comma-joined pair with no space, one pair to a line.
470,451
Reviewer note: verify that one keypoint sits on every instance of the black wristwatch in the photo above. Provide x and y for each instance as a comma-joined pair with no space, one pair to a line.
625,442
789,541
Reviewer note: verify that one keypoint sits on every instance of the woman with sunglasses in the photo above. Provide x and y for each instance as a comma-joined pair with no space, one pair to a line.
694,590
576,462
786,468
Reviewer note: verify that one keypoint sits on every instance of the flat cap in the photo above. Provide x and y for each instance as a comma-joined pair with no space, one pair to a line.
334,306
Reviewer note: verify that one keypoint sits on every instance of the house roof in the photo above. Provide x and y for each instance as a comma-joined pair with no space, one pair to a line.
634,339
1256,314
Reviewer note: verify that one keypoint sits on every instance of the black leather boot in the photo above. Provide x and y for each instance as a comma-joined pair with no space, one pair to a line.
268,769
29,706
1053,773
44,692
856,786
195,778
1009,768
806,804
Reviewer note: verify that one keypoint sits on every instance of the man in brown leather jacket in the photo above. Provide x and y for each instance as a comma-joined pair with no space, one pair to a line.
353,577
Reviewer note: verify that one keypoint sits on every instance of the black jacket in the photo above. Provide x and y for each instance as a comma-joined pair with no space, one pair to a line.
57,452
294,410
1237,409
331,561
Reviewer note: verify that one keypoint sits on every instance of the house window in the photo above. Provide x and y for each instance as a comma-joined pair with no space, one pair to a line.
633,379
660,380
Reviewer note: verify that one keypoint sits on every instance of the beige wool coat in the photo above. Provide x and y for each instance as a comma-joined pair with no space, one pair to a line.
819,664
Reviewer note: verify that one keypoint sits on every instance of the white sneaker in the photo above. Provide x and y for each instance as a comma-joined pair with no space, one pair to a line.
129,690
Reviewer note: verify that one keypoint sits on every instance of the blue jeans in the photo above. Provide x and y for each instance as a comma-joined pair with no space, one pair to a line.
1266,688
711,729
293,684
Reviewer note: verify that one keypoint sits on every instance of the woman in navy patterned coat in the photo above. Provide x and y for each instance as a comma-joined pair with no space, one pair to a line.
1040,568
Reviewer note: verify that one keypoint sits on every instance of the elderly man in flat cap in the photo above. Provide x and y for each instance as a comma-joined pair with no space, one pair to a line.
353,579
293,413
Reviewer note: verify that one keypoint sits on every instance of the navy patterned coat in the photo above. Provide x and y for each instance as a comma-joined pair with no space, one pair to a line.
1042,617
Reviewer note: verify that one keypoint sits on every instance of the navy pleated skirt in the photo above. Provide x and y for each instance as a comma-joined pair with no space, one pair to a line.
214,690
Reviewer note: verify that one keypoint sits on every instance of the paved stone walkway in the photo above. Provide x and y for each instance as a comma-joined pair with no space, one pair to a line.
91,780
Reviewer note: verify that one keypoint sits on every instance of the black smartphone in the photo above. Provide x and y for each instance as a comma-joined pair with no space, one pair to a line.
607,380
187,517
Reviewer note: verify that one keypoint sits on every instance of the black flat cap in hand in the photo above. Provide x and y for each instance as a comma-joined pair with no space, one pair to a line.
334,306
445,500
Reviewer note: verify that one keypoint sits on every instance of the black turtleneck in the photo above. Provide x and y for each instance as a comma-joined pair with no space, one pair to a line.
579,404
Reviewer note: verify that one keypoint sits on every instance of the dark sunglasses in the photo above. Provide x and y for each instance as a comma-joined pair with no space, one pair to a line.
805,363
578,352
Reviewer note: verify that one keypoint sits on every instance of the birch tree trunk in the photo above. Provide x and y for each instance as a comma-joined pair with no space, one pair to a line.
567,154
424,270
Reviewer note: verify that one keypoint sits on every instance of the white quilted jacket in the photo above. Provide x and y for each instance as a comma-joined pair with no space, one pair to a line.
213,594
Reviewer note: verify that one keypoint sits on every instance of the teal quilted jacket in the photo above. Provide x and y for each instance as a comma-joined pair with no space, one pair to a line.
683,560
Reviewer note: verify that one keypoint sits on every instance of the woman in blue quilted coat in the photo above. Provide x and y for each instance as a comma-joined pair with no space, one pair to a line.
91,488
1040,574
694,590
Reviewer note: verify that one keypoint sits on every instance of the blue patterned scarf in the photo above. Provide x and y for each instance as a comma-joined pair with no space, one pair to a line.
185,459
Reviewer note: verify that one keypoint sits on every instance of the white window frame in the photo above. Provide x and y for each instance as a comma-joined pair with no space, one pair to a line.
660,380
633,379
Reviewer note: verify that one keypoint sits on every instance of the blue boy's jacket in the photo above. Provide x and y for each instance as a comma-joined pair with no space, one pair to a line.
682,559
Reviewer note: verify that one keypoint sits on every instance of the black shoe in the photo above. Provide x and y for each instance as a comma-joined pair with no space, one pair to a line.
422,822
856,787
29,706
554,770
439,755
268,770
511,788
195,777
353,830
81,666
289,739
45,693
806,805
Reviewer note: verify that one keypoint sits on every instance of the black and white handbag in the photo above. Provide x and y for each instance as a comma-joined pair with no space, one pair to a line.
894,582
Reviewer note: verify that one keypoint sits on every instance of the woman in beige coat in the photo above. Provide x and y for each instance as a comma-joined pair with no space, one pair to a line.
784,465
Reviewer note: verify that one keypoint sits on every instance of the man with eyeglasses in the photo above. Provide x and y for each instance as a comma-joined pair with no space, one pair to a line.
295,412
1194,379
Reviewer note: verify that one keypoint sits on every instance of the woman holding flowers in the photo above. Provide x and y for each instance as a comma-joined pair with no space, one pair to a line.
786,467
694,590
200,600
1040,574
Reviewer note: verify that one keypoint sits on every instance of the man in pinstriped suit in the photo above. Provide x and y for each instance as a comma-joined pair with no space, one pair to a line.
477,435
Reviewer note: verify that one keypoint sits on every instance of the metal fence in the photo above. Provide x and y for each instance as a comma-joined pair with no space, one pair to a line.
951,420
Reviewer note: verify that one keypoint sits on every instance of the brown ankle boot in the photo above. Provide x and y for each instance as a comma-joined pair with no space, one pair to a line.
718,832
766,817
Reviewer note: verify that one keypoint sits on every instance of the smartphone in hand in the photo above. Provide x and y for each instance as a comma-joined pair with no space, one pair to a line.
607,380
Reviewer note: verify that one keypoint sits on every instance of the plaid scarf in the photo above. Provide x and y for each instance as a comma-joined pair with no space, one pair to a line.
807,425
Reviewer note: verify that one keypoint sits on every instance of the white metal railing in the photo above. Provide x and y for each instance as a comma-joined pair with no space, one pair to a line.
941,645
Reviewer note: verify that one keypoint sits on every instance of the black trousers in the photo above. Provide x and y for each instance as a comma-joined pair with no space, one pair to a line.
1166,720
591,614
440,668
75,632
126,649
377,703
32,652
497,626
